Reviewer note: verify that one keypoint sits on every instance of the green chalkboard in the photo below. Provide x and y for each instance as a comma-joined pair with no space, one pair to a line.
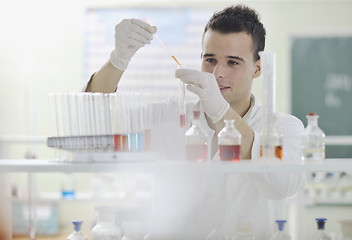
321,79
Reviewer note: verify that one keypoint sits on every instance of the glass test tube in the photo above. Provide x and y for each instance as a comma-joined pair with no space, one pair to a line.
147,122
182,87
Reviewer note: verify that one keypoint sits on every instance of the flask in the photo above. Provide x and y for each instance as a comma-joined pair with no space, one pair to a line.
105,227
243,228
196,140
280,234
320,234
77,234
229,141
312,140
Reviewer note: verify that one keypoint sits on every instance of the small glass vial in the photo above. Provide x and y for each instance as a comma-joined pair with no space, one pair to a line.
105,227
196,140
320,234
77,234
280,234
313,140
229,141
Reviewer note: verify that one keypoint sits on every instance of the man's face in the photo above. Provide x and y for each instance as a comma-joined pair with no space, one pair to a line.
230,58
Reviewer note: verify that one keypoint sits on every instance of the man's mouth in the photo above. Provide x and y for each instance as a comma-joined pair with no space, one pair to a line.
223,88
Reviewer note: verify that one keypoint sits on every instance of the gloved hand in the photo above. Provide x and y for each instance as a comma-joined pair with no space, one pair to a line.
205,86
130,35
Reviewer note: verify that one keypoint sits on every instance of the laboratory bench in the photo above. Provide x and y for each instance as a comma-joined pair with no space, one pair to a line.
147,165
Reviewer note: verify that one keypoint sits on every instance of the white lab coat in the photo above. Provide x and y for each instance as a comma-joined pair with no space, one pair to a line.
189,205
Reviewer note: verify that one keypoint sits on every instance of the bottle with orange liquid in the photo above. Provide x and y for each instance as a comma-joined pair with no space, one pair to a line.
272,140
196,140
229,141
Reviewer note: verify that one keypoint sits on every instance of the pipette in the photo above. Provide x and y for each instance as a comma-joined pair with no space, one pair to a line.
167,49
182,119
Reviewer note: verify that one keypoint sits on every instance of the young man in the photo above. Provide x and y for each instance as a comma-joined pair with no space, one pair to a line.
230,61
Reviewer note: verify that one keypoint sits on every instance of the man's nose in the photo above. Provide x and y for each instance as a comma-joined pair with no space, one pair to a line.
219,71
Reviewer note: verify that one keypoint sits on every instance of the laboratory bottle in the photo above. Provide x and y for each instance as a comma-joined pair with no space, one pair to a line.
243,228
105,227
312,140
229,142
320,234
77,234
276,139
280,234
196,140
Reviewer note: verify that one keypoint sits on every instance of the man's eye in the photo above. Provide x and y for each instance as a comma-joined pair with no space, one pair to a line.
210,60
233,62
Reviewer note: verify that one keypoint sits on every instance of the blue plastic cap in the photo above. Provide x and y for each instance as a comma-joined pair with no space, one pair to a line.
321,222
281,224
77,224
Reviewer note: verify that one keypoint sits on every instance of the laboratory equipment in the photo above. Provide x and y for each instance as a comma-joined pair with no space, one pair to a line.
346,228
320,234
229,141
77,234
182,87
105,228
268,68
67,187
312,140
133,231
280,234
196,140
277,139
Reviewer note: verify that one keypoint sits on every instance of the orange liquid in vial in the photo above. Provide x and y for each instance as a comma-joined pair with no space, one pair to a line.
278,151
230,152
182,120
196,152
179,64
120,143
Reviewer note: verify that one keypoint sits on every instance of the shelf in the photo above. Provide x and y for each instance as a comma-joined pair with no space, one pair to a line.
29,165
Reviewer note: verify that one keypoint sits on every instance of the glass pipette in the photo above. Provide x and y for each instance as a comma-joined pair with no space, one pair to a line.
183,86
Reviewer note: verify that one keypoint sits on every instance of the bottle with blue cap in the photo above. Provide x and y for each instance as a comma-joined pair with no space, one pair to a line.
77,234
320,234
280,234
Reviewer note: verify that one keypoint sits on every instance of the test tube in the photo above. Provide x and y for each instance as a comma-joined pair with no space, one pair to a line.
268,69
182,87
147,122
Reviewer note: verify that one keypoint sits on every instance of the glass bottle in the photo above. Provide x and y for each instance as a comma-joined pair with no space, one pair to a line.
243,228
229,141
280,234
133,231
312,140
320,234
105,227
77,234
196,140
272,141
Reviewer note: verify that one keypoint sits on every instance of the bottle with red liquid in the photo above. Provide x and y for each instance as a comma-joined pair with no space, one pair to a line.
229,141
196,140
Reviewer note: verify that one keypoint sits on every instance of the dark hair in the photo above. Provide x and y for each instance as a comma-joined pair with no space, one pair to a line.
239,18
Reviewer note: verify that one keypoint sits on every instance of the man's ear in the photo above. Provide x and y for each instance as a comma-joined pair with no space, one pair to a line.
201,55
257,69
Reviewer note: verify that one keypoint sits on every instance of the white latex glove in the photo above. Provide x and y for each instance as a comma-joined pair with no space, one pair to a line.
130,35
205,86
